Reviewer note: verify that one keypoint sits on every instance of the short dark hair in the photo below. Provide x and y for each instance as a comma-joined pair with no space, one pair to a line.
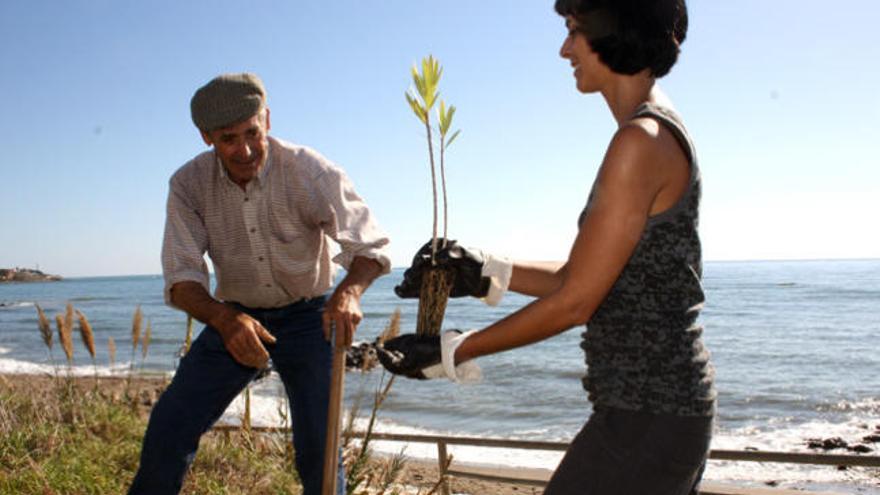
631,35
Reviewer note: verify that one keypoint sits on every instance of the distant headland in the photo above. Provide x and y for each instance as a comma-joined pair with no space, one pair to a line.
26,275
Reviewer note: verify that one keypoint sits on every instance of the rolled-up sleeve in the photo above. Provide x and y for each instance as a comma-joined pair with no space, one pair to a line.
346,218
185,240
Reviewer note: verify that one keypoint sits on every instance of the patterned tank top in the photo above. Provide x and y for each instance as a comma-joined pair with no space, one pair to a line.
643,345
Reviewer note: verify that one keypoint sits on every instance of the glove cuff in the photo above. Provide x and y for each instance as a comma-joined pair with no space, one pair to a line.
466,372
498,270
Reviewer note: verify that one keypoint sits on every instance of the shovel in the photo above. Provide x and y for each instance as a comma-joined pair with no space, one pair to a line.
334,411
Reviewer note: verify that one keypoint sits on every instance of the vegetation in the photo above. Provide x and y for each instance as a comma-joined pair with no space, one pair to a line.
68,438
61,435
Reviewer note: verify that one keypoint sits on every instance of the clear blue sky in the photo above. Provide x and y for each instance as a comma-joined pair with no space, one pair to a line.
780,96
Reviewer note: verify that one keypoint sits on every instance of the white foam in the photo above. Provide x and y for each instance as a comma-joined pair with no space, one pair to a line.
792,438
4,350
15,366
17,304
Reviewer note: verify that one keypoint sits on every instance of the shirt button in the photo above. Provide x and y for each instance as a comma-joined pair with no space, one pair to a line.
246,198
269,285
253,229
260,258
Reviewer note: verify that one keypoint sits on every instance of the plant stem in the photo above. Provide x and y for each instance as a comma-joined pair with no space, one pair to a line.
433,188
443,184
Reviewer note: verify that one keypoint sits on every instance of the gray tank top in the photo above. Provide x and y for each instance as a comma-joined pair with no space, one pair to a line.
643,344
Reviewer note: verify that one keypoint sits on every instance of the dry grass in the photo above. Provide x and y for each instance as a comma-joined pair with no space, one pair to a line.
68,320
391,330
57,439
45,327
136,322
88,441
88,336
111,351
65,337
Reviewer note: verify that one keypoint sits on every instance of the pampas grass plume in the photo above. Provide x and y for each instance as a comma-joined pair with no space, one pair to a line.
392,330
85,330
45,327
136,321
64,337
68,319
111,350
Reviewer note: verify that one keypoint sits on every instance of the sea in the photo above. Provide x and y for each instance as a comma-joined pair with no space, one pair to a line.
794,344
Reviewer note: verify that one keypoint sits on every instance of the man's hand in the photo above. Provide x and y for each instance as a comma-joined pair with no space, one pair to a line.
243,337
343,311
466,265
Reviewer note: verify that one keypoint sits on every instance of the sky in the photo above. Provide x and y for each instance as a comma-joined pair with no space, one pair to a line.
780,97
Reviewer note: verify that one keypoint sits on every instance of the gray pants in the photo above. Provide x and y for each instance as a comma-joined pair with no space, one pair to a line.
622,452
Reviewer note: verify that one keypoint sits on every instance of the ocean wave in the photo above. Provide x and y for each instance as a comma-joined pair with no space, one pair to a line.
16,304
15,366
867,405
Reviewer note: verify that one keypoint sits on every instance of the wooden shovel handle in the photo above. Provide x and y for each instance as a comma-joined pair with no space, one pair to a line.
334,413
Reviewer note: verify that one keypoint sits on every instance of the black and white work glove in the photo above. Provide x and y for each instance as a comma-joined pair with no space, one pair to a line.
476,274
422,357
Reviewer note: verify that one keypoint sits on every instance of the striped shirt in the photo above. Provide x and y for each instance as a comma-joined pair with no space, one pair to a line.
269,242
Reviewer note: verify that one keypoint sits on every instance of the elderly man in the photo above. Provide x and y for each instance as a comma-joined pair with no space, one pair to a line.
263,209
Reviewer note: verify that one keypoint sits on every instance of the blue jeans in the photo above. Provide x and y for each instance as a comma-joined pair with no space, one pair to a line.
208,379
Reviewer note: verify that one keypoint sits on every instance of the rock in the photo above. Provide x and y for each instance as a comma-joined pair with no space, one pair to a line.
827,443
871,438
25,275
860,449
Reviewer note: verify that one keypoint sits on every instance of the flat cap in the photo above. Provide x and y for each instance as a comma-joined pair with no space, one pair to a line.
227,99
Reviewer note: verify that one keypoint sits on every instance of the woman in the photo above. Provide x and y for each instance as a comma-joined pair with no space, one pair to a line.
633,273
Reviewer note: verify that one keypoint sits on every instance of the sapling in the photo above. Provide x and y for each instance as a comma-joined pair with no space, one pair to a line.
436,282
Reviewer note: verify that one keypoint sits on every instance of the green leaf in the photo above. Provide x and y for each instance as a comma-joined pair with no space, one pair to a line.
417,108
441,118
419,82
430,79
445,116
452,137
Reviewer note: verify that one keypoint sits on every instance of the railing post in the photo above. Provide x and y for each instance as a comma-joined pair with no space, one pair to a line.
442,458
